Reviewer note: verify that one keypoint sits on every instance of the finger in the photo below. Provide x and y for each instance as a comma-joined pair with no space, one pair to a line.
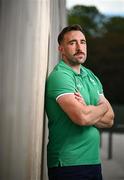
77,94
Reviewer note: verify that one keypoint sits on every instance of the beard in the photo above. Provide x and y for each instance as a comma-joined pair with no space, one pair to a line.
77,59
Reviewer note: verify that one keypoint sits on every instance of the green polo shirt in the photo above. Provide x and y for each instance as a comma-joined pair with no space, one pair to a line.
70,144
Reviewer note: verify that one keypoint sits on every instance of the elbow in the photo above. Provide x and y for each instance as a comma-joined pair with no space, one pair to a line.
112,116
111,121
110,124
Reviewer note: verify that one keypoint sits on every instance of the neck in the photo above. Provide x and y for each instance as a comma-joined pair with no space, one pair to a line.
76,68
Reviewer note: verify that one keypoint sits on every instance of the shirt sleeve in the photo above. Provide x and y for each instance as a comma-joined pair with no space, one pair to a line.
60,83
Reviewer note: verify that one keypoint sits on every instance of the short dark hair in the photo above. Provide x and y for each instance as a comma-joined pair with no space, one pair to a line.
74,27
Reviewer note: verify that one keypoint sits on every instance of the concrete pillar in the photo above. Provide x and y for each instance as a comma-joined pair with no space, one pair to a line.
57,22
24,31
28,50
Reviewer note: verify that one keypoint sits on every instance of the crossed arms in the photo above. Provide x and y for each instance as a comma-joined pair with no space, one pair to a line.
101,116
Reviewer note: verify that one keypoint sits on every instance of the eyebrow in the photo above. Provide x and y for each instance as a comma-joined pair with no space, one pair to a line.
74,40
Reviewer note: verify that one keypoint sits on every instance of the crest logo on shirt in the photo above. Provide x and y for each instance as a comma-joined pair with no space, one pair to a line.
79,86
92,80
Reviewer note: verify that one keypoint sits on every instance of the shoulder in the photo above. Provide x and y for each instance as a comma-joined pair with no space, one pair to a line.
60,75
93,78
60,81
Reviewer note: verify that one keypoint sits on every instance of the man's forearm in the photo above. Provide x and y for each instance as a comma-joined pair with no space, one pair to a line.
108,119
93,114
79,112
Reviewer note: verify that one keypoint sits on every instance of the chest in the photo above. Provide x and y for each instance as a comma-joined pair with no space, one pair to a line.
88,88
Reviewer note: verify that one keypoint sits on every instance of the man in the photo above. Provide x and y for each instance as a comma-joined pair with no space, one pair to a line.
76,108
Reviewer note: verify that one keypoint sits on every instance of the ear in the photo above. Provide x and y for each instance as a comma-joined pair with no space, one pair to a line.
60,48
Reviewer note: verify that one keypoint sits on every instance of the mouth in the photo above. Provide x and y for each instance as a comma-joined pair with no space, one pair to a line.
79,53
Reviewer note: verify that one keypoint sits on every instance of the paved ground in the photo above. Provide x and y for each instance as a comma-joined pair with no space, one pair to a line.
113,169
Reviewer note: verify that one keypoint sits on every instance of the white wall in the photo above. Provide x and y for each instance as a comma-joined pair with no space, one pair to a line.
57,22
28,32
24,32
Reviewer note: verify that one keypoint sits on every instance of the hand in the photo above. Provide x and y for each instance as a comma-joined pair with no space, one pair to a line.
108,119
102,99
79,98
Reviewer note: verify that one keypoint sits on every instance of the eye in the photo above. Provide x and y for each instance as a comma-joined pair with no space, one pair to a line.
83,42
72,43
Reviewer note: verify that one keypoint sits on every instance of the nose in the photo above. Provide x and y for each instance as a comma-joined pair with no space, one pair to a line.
78,46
